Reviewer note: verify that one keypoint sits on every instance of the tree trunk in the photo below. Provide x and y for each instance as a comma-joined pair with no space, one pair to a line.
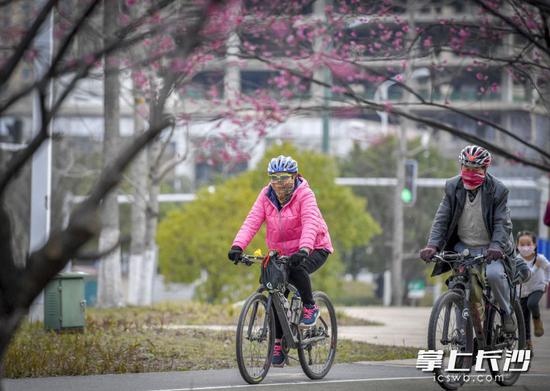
138,177
109,277
150,258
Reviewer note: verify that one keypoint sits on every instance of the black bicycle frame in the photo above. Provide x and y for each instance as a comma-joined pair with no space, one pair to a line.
274,300
481,328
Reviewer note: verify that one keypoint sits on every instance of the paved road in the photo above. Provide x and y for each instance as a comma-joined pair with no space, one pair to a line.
359,376
412,330
379,376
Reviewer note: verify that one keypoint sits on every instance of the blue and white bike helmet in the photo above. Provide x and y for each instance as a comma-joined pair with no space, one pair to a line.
282,163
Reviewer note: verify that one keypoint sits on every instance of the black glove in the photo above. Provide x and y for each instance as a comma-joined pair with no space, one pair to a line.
297,258
493,254
235,254
427,253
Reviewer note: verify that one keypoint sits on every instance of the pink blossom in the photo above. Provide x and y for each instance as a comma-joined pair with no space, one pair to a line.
427,42
166,43
338,89
286,93
531,24
280,28
343,70
213,92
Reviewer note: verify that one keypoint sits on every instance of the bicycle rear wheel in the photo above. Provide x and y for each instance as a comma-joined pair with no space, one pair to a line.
317,348
449,330
255,339
498,340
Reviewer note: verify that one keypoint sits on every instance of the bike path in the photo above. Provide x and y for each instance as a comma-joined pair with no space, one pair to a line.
412,330
379,376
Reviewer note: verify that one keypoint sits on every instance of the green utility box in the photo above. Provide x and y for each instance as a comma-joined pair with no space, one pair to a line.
64,303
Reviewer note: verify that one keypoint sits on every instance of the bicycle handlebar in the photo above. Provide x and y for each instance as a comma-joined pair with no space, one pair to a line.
452,257
248,259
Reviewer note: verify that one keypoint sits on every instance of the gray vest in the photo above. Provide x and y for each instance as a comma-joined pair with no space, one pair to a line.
471,226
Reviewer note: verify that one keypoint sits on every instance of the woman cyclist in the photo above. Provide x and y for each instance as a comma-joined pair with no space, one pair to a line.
295,228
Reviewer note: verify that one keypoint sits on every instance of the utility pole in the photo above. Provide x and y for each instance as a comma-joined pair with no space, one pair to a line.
401,156
398,239
326,113
325,75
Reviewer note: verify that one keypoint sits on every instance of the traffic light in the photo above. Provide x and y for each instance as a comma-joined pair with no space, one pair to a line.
408,195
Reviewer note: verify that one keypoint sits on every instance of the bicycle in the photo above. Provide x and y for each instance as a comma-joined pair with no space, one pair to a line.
316,345
462,326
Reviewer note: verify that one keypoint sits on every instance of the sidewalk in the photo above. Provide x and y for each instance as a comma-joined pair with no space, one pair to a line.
408,326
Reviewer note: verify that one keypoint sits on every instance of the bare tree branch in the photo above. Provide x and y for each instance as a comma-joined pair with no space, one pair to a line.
21,157
93,256
116,44
171,164
351,94
163,148
15,58
514,26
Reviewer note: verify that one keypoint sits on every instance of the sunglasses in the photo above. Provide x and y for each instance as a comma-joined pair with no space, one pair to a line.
279,178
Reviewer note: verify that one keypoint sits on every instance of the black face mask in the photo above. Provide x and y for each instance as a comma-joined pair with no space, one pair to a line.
283,191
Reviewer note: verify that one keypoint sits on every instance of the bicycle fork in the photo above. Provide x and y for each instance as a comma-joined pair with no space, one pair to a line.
263,334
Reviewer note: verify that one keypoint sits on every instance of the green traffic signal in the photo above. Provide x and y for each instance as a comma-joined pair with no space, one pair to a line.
406,196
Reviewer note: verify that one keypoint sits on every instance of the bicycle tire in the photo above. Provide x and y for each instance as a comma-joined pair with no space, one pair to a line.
256,299
512,377
304,352
448,300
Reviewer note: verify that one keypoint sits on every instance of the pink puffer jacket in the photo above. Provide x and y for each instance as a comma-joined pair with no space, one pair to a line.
298,224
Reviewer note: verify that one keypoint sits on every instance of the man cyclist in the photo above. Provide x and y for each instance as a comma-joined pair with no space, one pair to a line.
474,214
295,227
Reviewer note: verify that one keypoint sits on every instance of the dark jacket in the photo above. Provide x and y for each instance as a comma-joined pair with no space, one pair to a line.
496,214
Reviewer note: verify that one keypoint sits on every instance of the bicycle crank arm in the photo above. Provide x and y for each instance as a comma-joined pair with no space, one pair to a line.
307,341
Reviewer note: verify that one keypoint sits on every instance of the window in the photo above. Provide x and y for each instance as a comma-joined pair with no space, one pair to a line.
205,85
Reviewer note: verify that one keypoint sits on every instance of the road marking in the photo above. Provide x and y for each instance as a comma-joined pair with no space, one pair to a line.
311,382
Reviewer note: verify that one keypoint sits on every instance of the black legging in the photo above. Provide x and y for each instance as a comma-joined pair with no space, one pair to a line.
530,306
299,277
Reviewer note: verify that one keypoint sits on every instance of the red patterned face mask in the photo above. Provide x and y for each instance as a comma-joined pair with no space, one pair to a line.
472,179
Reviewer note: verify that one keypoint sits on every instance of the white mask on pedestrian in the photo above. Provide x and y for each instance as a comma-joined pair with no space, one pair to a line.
525,251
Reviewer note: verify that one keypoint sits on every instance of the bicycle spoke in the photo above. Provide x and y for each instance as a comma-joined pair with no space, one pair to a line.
254,340
319,341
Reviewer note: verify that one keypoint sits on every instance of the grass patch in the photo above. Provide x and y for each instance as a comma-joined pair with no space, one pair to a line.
346,320
139,339
356,293
111,348
162,314
183,313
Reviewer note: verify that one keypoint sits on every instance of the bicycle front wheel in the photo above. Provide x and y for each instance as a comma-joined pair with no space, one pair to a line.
255,339
450,330
317,348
